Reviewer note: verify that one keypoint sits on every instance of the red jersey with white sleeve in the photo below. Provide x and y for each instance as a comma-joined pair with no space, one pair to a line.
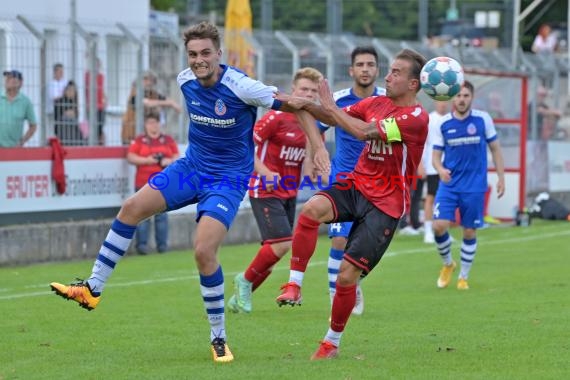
281,147
145,146
386,170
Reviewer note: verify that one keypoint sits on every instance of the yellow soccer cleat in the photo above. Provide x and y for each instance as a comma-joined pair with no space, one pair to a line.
78,292
445,275
221,352
462,284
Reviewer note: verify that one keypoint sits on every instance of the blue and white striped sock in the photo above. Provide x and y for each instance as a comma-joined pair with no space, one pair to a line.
335,258
468,249
212,289
111,252
443,244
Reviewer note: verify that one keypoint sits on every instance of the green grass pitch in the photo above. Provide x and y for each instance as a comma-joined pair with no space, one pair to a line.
514,322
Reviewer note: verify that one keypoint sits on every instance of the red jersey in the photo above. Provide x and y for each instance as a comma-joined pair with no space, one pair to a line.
386,172
281,147
145,146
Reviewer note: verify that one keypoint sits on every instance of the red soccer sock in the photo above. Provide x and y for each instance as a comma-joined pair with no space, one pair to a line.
304,242
261,265
259,280
343,302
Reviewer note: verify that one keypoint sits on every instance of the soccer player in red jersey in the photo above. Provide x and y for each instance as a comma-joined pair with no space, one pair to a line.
374,196
273,188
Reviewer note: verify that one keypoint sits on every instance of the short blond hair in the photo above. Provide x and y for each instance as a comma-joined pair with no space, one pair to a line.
309,73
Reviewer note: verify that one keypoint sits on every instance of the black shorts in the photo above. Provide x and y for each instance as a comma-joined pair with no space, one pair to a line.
371,232
432,184
275,218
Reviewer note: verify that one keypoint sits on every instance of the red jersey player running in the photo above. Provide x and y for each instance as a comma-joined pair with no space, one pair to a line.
273,188
395,127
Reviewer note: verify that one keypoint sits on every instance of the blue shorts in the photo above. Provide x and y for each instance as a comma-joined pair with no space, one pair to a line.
341,229
471,206
181,185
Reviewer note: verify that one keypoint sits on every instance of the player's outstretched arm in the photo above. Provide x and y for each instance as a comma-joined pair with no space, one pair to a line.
356,127
497,155
294,103
320,155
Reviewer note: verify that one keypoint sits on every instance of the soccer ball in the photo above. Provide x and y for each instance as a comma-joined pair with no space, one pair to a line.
441,78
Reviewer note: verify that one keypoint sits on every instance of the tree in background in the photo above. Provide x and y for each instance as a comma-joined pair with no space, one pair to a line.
393,19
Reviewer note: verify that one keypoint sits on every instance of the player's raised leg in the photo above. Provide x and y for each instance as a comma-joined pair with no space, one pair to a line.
258,270
143,204
316,210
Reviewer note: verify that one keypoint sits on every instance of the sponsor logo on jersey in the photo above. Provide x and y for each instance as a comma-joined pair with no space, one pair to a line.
291,153
220,107
464,141
218,123
379,147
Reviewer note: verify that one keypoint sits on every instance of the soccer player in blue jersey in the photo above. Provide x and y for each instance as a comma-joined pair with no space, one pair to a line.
364,72
463,138
222,103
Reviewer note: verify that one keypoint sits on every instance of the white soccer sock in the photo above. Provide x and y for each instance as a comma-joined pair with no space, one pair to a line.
296,277
468,249
443,244
333,337
427,227
111,252
335,258
212,289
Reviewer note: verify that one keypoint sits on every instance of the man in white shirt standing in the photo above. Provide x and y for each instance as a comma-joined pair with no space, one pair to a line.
55,91
429,173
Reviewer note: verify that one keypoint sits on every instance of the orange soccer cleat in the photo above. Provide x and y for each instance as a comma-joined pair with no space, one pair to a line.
290,295
326,350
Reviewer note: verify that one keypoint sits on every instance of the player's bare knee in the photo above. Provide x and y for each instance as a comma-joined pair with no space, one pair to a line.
204,254
318,208
469,233
348,274
310,211
132,211
439,227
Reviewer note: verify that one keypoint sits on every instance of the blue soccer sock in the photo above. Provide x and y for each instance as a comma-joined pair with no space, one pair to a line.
335,258
443,244
212,289
111,252
468,249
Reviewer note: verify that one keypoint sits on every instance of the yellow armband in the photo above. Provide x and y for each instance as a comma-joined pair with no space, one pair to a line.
392,130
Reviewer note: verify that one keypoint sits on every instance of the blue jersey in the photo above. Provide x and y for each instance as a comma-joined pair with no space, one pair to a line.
347,147
220,134
464,145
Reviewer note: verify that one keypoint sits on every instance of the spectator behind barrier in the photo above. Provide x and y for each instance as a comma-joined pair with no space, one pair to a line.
15,108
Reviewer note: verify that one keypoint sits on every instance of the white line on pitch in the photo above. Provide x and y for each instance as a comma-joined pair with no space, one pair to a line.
313,264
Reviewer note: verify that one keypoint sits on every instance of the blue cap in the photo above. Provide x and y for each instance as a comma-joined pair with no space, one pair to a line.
14,74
